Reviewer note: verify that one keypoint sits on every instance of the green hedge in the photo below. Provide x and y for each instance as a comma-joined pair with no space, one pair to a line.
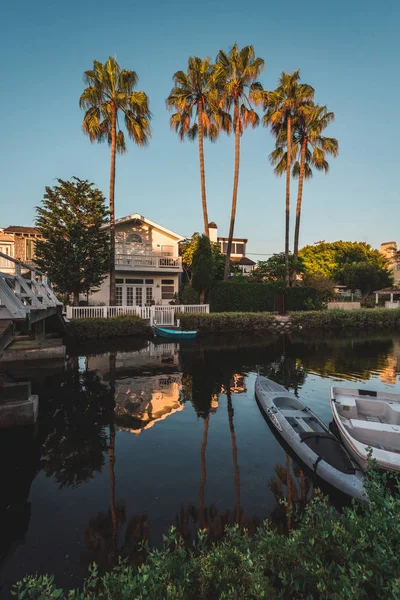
228,296
100,329
347,319
226,322
351,554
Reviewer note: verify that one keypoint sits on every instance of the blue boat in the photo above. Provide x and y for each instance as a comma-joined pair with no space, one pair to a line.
175,334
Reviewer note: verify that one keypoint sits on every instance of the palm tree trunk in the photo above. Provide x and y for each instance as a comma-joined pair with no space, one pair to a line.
299,200
287,223
202,174
203,471
234,454
112,206
235,189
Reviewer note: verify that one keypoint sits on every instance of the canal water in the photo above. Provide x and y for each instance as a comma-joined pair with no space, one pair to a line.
132,440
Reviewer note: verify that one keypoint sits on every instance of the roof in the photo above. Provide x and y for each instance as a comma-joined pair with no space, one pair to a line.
21,229
136,216
5,237
225,239
242,260
388,291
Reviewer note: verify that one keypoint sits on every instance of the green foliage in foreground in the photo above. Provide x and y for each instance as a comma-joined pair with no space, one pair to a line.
347,319
353,554
100,329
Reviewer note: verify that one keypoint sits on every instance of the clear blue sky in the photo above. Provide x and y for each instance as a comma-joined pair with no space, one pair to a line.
347,50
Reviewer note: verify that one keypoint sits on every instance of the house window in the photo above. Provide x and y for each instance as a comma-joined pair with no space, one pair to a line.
118,295
149,295
239,249
167,289
149,281
225,247
167,250
139,296
129,295
29,248
119,280
134,281
134,238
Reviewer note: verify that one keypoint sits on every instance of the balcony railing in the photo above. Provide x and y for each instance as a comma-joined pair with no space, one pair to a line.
149,261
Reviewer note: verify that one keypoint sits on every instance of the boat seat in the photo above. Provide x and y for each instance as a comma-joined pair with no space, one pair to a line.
372,426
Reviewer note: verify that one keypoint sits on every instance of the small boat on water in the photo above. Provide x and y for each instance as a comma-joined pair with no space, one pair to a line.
368,419
309,438
174,334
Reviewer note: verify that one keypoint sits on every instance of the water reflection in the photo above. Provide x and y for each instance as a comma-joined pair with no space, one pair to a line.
140,439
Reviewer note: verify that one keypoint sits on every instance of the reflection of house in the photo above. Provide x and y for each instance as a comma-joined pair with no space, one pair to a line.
390,372
237,384
389,249
147,263
238,252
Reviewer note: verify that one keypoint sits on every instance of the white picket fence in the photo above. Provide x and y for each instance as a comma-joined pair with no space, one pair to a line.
157,315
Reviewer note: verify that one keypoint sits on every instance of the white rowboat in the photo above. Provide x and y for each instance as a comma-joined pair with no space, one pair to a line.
309,438
368,419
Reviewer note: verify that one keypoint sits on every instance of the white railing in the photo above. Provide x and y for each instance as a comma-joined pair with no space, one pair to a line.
160,315
143,261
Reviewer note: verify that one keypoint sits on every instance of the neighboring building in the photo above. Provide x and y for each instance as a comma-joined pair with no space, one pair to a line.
18,242
147,263
390,250
238,252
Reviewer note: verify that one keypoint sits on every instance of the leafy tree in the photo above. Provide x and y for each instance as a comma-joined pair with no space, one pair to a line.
274,269
324,286
110,91
75,250
365,277
187,249
282,108
196,92
239,71
329,258
202,267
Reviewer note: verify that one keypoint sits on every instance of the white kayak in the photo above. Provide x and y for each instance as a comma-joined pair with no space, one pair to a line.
368,419
309,438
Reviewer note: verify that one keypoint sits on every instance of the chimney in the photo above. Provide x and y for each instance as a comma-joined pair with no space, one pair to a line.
213,232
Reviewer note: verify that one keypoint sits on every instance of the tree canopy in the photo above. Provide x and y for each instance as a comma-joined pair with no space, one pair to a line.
187,249
365,277
75,250
329,258
202,266
274,269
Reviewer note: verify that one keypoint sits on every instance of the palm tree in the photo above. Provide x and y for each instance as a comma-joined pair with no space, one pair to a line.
309,149
239,71
110,91
196,92
282,107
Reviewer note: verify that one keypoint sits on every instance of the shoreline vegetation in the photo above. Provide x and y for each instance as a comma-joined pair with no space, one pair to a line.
241,322
351,553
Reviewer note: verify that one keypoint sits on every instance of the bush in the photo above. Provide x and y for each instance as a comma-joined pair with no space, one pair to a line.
353,554
227,322
100,329
347,319
243,296
189,295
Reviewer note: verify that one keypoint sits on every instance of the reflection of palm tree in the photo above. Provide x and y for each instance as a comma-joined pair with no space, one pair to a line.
111,464
290,476
234,452
203,471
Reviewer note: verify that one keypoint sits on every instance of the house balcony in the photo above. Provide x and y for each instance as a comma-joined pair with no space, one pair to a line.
148,262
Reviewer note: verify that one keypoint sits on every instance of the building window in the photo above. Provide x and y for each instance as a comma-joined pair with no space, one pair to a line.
139,296
129,295
239,249
167,292
118,295
119,280
149,295
225,247
149,281
167,282
134,281
167,250
134,238
29,248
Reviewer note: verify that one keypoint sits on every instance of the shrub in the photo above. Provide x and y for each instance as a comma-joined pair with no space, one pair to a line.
347,319
226,322
243,296
189,295
90,329
353,554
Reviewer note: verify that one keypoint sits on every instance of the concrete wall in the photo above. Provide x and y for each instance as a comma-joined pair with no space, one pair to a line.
344,305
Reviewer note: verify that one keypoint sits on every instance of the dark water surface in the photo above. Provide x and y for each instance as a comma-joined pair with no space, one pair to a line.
131,441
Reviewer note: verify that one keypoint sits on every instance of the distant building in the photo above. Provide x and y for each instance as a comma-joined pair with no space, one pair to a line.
18,242
238,252
390,250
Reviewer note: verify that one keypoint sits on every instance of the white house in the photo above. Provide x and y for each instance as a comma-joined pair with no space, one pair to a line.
147,264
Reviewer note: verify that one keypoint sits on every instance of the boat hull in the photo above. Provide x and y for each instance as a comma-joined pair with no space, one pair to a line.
174,334
308,445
